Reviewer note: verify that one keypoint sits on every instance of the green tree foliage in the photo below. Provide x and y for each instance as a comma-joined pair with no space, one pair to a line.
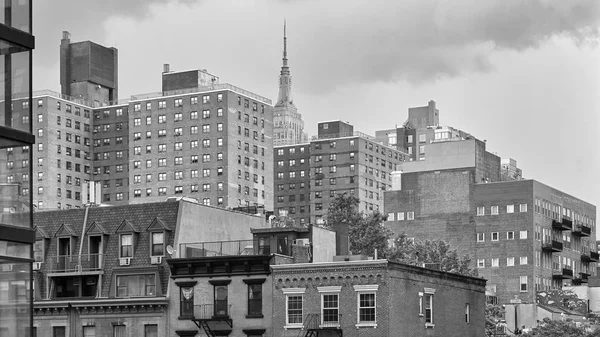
343,210
434,251
369,234
494,314
282,221
562,299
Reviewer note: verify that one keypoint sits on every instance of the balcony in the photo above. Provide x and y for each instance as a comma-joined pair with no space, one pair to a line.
594,257
322,321
552,246
214,319
564,225
217,248
76,264
580,278
581,230
562,273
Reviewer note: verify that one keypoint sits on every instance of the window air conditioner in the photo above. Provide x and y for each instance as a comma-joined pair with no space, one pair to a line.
156,259
124,261
302,242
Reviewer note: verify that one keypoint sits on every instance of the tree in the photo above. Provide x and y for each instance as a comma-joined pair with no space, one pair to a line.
283,221
558,328
562,298
343,210
369,234
494,314
431,251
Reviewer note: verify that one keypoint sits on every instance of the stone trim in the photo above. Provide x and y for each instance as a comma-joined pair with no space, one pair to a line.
219,282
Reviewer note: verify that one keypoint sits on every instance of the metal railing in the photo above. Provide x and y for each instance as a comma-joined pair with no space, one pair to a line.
345,134
199,90
322,321
216,248
75,263
210,311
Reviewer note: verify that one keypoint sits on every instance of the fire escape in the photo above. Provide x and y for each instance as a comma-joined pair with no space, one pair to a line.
322,325
214,321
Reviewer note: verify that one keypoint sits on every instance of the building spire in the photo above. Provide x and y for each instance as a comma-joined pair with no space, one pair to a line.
285,77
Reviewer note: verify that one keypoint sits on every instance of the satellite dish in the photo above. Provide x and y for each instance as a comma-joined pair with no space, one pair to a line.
171,251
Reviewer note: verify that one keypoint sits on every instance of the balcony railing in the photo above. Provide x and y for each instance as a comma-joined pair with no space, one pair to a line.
343,134
552,246
217,248
580,278
563,225
581,230
562,273
594,256
75,263
322,321
212,311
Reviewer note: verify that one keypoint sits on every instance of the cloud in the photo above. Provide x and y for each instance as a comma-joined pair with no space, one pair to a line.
331,43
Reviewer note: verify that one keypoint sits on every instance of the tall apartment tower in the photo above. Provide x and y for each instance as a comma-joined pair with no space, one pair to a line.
288,124
88,71
338,160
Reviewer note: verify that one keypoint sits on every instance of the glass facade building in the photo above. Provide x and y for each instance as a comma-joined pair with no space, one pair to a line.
16,142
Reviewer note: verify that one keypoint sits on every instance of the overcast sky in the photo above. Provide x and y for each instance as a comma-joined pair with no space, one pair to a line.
522,74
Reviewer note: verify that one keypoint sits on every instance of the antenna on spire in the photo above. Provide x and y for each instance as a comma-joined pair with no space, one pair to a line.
284,43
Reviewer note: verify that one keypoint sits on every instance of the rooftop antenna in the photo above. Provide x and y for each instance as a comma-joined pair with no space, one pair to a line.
171,251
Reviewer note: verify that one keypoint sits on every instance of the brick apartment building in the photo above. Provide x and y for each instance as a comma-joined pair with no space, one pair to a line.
103,270
375,298
338,160
522,235
196,138
16,232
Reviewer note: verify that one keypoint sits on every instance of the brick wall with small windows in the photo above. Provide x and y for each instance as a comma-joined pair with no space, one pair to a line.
376,298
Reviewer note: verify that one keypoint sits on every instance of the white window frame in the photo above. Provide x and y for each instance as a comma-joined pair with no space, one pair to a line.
293,292
410,215
480,211
510,208
391,217
522,235
467,313
497,236
523,208
523,280
330,290
480,237
510,235
523,260
429,292
494,210
363,290
510,261
400,216
495,262
480,263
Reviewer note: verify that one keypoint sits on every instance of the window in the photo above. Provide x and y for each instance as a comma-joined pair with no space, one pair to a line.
158,242
330,305
150,330
510,208
480,210
523,283
523,260
410,215
58,331
428,306
523,208
494,210
126,245
510,235
480,263
254,298
523,235
495,262
510,261
119,330
390,217
366,304
495,236
293,306
186,299
136,285
480,237
467,313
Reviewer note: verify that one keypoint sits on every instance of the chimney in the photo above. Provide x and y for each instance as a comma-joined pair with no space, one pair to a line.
66,35
166,68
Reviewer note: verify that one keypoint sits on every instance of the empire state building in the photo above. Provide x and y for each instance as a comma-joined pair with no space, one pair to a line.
288,126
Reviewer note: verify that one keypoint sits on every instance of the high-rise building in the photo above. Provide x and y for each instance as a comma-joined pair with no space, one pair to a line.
196,138
16,143
288,124
337,160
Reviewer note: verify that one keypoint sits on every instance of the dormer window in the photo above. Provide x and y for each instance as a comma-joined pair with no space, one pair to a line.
158,244
126,245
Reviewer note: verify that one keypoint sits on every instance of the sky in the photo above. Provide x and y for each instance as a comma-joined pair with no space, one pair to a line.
522,74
